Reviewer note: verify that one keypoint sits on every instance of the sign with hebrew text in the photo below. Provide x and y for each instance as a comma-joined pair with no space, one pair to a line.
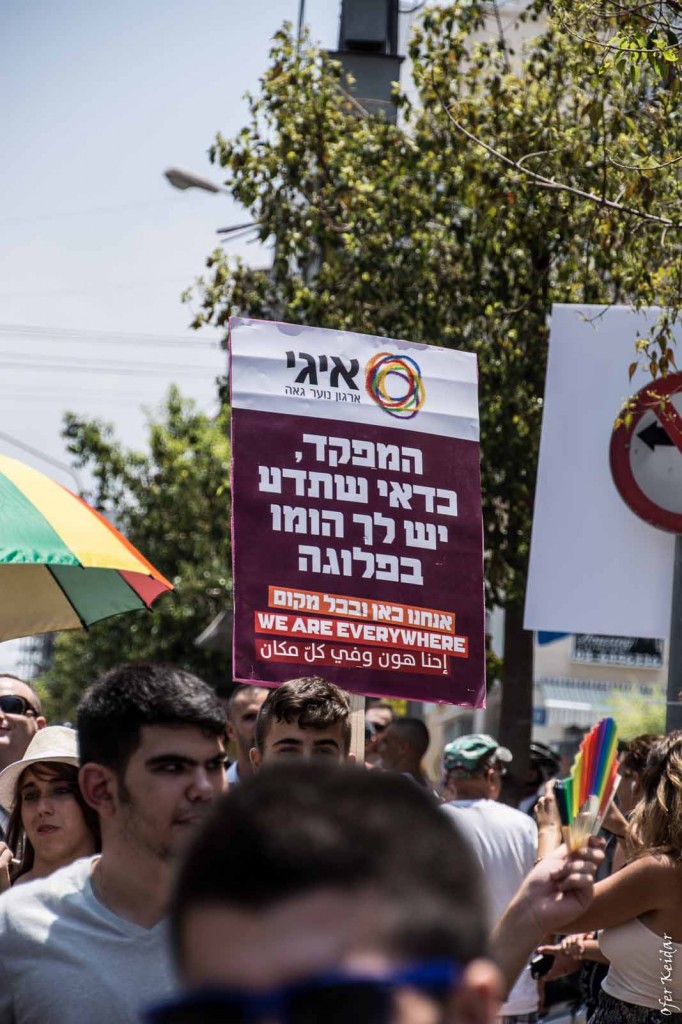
357,530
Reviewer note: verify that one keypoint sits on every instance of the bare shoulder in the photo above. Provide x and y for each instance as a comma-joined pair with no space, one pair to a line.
656,870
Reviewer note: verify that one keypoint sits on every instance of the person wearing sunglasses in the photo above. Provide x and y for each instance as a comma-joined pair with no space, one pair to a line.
322,894
20,719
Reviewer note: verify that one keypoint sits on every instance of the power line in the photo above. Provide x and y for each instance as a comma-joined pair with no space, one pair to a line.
120,337
108,286
92,211
124,371
36,360
68,398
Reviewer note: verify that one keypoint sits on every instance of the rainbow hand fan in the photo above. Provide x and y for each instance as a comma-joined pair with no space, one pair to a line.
584,797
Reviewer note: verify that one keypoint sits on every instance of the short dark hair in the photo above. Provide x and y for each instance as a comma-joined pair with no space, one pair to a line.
291,830
244,689
312,702
115,709
413,732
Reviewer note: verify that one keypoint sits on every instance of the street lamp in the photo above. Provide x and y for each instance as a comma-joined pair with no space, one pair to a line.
185,179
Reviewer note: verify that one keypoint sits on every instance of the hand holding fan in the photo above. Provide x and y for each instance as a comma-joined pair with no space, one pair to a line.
583,798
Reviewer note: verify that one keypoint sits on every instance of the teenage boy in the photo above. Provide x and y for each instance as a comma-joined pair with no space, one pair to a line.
304,718
345,895
89,942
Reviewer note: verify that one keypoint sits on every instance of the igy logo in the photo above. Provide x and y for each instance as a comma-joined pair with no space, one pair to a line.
313,366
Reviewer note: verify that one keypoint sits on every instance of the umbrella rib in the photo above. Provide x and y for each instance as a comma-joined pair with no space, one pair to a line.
73,607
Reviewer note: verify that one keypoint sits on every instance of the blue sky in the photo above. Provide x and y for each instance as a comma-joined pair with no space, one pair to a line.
99,98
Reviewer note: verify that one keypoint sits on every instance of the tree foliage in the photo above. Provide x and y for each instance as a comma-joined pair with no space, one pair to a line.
636,717
512,181
629,34
172,502
420,231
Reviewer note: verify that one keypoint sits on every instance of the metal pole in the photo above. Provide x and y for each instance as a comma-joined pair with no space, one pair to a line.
673,718
301,20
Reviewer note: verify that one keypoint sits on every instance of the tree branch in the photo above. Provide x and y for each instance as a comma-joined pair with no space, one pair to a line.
549,183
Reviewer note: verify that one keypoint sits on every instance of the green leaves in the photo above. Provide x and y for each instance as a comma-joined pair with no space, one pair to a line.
417,231
173,502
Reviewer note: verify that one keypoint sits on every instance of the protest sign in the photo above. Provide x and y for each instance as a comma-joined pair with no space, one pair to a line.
357,530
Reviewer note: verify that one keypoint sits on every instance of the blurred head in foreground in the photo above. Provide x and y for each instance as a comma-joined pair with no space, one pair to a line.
330,894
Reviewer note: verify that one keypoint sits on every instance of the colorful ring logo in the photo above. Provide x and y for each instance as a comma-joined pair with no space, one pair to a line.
405,376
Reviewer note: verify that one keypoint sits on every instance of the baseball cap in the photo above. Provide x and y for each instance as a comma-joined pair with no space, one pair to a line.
466,752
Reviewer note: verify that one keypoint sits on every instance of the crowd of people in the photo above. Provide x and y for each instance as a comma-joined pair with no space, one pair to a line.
145,879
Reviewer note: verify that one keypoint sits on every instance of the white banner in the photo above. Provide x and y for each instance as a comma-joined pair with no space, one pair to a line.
595,567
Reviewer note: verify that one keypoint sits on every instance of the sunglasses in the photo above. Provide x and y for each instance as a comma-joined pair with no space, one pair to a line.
12,704
330,998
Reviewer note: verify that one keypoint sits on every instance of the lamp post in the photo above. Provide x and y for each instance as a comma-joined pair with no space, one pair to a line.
185,179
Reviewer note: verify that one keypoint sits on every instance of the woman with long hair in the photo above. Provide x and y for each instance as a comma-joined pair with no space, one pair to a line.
638,910
50,824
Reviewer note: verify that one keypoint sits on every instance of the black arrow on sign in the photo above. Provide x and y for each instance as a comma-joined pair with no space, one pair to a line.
654,435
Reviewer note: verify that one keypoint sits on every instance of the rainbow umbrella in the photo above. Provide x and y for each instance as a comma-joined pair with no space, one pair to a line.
62,565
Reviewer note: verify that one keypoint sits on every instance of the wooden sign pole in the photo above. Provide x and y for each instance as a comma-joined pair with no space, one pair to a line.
357,719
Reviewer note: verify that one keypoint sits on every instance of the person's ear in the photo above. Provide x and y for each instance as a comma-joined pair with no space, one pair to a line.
256,758
41,722
449,787
99,787
494,781
350,758
229,731
478,997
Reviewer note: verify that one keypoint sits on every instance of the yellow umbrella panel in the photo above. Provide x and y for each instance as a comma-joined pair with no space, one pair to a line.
62,565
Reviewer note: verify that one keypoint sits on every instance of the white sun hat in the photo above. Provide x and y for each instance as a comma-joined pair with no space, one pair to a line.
55,743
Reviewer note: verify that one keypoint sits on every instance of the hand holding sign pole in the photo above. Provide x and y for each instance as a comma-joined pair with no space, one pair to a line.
646,465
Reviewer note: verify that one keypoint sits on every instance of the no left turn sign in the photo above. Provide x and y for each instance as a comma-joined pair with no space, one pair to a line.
646,456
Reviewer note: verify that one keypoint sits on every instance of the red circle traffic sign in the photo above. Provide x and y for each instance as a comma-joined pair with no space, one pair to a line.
646,454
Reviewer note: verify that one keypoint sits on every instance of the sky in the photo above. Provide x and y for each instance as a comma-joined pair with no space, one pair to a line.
95,245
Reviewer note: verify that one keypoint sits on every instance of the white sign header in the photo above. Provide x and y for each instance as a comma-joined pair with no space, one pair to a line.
309,371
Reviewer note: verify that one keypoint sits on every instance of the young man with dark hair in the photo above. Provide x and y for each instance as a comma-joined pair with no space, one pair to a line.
303,718
241,708
152,760
402,748
345,895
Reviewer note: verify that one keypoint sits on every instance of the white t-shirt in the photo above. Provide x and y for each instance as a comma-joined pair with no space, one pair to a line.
505,841
66,959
